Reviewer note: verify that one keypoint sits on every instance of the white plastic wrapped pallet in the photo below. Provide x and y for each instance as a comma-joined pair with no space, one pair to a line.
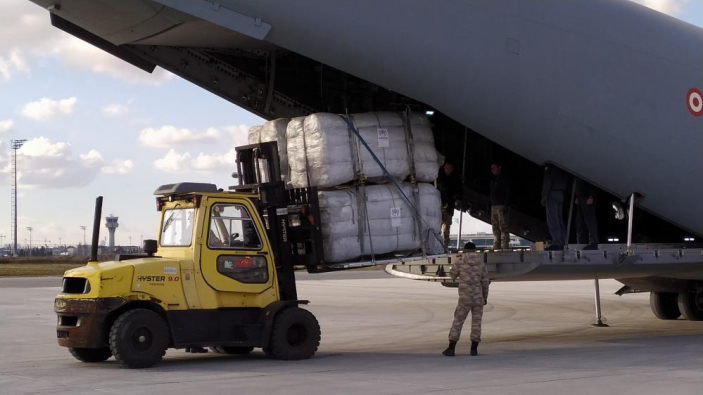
323,152
390,225
274,130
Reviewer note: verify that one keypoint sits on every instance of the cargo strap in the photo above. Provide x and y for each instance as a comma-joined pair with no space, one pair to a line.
397,230
388,136
305,153
410,144
364,223
354,149
392,180
413,179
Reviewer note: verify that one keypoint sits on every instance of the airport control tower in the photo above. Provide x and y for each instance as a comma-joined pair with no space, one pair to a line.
111,225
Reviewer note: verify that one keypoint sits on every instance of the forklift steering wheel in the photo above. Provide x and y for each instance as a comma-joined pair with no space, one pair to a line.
234,241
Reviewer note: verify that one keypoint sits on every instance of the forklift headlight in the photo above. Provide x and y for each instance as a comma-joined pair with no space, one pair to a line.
75,285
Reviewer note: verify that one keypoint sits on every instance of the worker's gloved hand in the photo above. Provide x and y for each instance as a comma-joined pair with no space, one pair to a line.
485,301
544,202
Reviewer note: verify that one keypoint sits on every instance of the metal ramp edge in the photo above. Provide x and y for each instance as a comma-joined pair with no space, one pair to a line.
613,261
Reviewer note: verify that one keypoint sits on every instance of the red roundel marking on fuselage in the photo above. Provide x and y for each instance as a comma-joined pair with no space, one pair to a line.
694,102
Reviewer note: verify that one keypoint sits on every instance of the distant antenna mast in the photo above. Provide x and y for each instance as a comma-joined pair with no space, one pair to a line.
15,145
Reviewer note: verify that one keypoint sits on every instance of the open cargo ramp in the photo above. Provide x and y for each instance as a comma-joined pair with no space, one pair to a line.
611,261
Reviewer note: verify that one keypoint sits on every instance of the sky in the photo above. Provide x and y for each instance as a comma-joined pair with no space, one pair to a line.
95,125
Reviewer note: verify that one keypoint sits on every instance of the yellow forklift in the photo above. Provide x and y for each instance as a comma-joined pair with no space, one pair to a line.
220,275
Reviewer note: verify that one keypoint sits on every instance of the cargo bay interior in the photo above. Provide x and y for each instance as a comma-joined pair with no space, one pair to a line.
275,83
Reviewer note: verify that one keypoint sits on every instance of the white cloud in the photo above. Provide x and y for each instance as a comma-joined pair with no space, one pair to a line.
671,7
42,163
226,162
26,36
45,164
119,166
6,125
78,54
169,136
92,158
173,162
42,147
114,110
13,62
47,108
239,134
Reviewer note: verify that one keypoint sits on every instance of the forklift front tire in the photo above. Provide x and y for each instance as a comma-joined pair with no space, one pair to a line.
139,338
91,355
295,335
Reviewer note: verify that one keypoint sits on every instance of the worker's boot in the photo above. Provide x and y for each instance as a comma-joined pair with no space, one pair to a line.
449,352
196,350
474,349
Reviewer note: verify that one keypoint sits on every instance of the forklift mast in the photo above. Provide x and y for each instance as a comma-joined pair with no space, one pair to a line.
292,216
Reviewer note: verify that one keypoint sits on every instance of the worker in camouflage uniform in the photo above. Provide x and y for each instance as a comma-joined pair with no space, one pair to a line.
473,295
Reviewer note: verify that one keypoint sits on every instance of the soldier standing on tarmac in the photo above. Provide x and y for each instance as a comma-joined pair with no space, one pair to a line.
473,295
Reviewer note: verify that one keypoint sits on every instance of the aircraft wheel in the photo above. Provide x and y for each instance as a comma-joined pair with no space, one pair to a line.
232,350
665,305
295,335
691,305
139,338
91,355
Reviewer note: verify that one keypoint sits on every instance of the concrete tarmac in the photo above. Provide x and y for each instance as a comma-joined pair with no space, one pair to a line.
383,335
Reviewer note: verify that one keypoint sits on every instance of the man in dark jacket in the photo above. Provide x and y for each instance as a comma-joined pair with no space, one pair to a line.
500,207
555,183
586,223
449,186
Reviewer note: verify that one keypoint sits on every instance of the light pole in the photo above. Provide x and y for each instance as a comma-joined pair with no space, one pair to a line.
130,241
29,228
83,248
15,145
1,243
83,228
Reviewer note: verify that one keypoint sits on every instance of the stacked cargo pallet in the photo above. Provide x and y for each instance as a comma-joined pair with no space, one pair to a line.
373,171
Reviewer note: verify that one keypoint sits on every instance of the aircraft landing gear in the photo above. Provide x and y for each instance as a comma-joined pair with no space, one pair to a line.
691,304
665,305
599,318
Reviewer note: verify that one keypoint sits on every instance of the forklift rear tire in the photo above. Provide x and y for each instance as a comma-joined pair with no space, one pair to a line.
139,338
295,335
91,355
664,305
691,305
232,350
